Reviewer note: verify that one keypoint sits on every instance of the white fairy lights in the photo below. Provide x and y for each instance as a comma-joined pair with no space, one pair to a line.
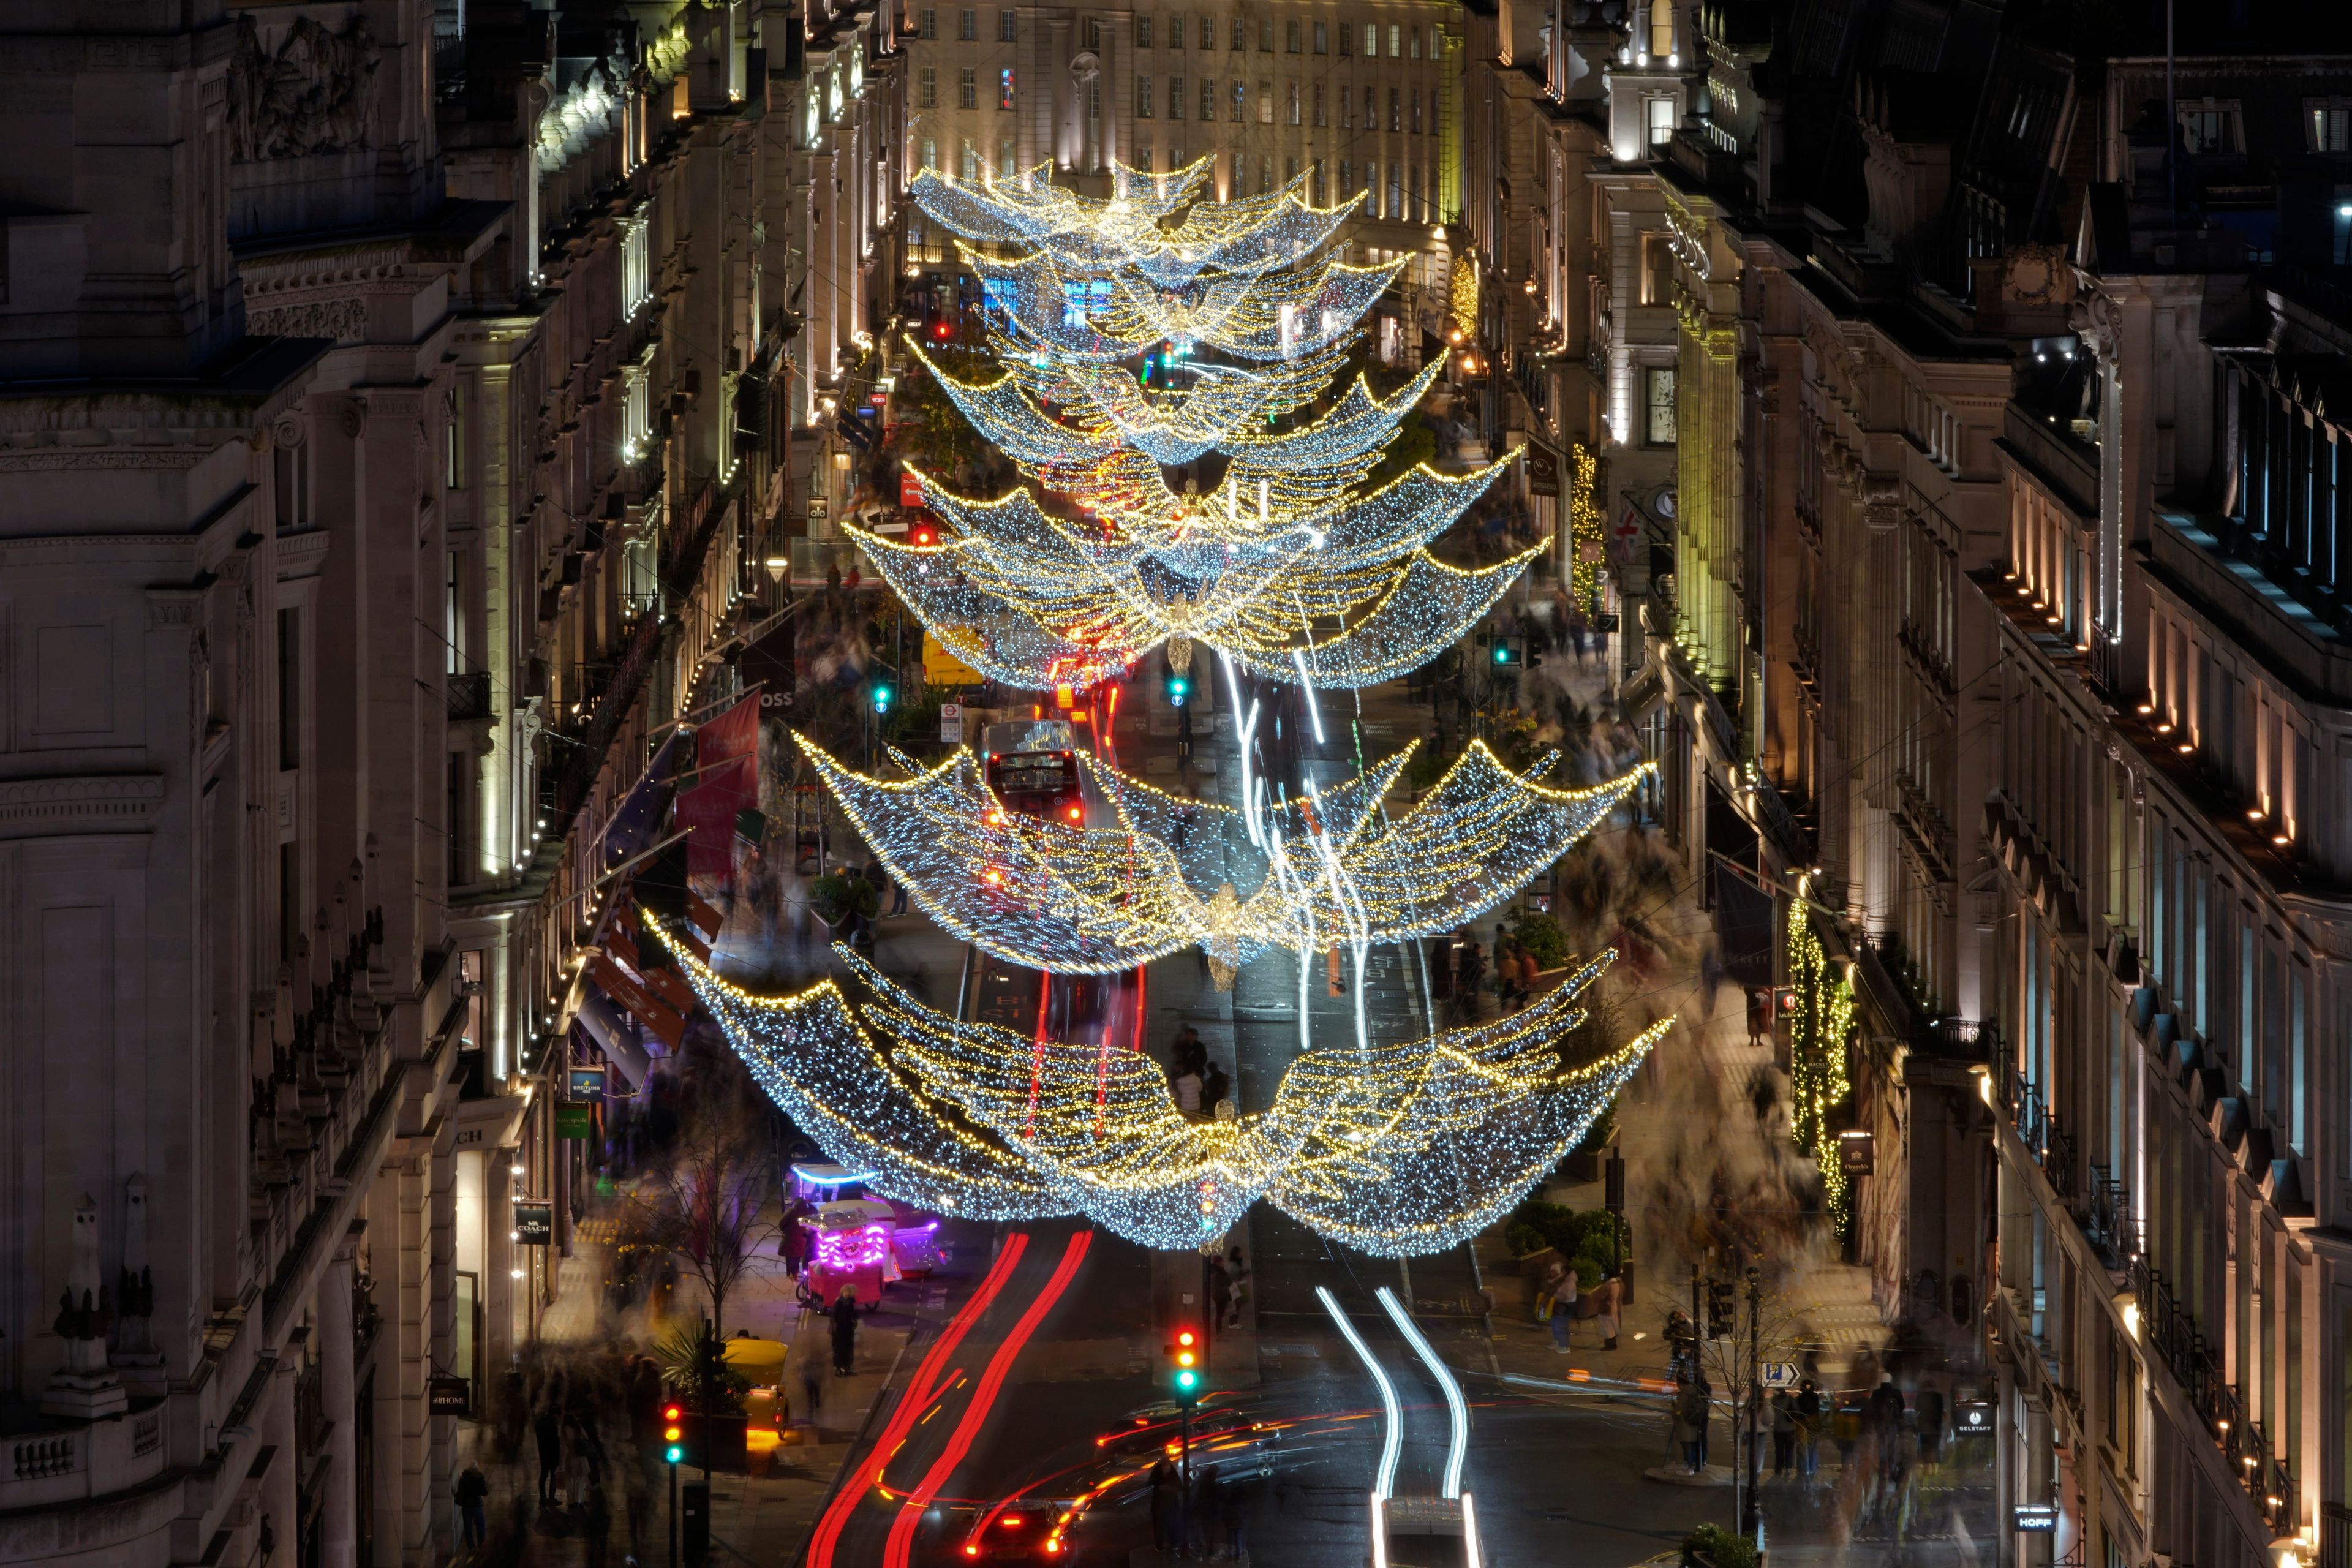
1396,1149
1167,874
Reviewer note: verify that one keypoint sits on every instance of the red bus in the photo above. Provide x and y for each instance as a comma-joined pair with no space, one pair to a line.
1032,766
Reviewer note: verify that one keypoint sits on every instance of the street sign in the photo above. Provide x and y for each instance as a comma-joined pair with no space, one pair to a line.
911,488
535,1225
1780,1375
951,725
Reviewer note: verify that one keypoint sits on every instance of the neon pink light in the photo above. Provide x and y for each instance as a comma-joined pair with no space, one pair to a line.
849,1250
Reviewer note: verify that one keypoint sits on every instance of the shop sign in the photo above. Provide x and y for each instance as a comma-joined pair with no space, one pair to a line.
576,1121
447,1395
2033,1518
535,1225
1972,1417
1543,470
585,1083
1857,1153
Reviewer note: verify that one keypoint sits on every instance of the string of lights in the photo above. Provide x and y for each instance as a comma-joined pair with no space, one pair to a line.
1073,899
1400,1150
1821,1037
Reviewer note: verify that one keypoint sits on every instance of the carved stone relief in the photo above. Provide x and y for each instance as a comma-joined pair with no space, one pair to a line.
312,94
337,319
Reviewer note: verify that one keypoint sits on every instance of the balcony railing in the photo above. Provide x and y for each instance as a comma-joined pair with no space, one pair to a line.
2037,1128
2108,1220
2171,1331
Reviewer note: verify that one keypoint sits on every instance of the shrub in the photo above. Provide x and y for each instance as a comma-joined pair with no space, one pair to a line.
1601,1133
1555,1222
1523,1239
1541,935
838,896
1719,1546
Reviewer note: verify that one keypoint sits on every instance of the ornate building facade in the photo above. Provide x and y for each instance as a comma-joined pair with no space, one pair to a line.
398,411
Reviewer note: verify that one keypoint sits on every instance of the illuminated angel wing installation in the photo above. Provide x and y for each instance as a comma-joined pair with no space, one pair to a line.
1398,1150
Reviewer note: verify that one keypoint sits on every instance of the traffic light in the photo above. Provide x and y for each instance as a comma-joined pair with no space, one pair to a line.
1718,1308
1510,652
1184,1364
673,1416
1177,687
882,697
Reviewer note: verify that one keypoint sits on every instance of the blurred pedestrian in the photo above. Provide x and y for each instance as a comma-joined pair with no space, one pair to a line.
1882,1417
1237,1270
1214,1087
1603,1305
1563,1309
1221,1290
473,1490
1784,1432
1690,1413
547,1428
1187,1088
812,1384
1759,1016
845,1331
1233,1510
1929,1411
1163,1502
1808,1414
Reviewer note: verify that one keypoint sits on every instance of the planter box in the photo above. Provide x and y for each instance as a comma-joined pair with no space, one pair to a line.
1580,1167
1536,1264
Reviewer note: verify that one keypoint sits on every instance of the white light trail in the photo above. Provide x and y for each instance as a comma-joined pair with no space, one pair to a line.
1394,1439
1457,1446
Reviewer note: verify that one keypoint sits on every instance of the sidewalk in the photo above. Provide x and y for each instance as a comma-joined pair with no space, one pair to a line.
761,1516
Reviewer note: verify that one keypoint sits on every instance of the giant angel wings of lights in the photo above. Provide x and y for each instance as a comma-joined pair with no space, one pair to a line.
1165,873
1285,564
1395,1150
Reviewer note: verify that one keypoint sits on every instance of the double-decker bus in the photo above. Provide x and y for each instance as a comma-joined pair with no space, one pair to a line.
1032,766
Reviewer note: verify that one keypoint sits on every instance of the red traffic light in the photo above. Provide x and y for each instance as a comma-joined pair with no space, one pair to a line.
1184,1336
672,1412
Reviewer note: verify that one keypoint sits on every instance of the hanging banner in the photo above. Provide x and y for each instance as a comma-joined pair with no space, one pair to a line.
734,733
707,813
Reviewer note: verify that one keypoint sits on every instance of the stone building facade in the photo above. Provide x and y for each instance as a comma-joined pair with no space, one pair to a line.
398,411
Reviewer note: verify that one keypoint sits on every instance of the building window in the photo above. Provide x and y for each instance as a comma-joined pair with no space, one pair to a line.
1175,97
2210,125
1208,32
1265,176
970,158
1265,35
930,87
1208,98
968,26
1266,103
1662,28
1176,31
967,86
1396,191
1094,32
1241,102
1005,24
1658,407
1661,114
1143,98
1144,158
930,153
1346,177
1371,109
1396,40
1371,40
1143,32
1346,41
1240,36
1094,101
1657,269
926,23
1416,111
1396,111
1322,116
1371,187
1412,42
1293,102
2331,124
1004,88
1322,39
1315,186
1290,34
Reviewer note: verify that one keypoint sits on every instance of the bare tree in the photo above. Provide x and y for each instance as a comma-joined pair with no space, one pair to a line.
708,1207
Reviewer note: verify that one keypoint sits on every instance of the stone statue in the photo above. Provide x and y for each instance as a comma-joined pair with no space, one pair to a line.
136,1355
86,1386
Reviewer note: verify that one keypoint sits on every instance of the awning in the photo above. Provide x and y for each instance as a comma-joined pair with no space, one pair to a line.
623,987
602,1019
1642,693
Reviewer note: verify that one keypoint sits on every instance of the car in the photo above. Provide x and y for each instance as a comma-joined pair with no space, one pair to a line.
1030,1529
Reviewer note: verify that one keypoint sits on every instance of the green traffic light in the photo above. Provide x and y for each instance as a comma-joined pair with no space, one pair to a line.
1502,654
1186,1379
676,1453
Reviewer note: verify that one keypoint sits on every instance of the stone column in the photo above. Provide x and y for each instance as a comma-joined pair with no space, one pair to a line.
338,1525
277,1502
